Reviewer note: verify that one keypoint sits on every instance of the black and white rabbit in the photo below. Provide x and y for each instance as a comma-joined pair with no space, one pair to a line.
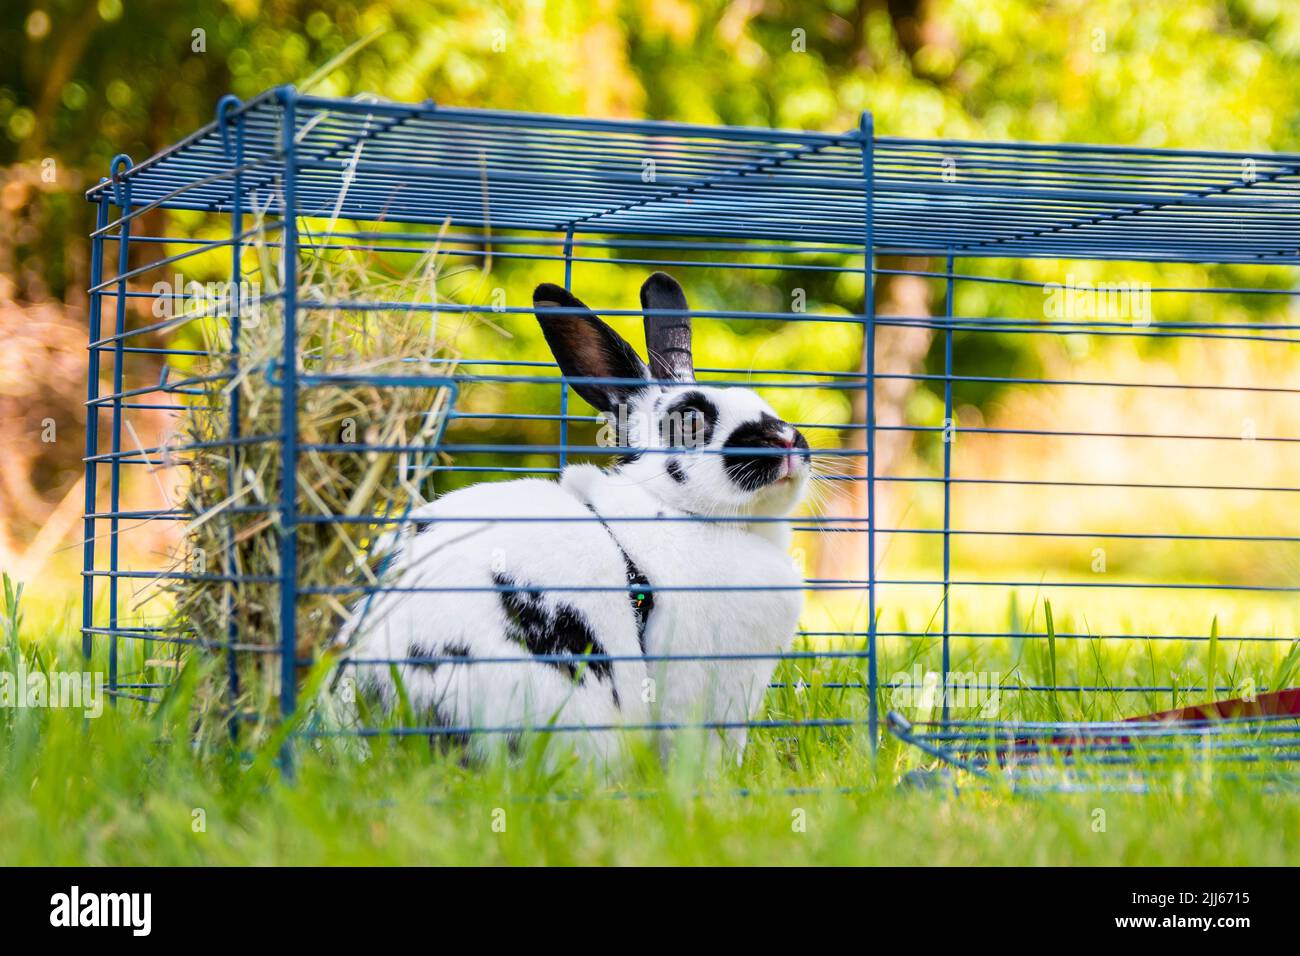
484,574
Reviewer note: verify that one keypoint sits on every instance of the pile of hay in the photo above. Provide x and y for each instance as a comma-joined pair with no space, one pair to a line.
234,490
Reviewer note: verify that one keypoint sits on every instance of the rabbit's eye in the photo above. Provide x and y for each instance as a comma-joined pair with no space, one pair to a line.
688,422
692,426
686,428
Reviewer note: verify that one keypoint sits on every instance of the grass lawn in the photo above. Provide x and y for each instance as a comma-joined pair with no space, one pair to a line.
133,787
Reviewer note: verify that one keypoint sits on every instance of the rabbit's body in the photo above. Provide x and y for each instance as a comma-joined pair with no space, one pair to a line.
486,580
679,550
726,599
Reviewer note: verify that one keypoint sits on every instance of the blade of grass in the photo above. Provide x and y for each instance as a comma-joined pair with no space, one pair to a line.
1212,668
339,59
1051,656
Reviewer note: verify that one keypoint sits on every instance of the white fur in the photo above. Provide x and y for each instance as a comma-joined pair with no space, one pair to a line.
481,533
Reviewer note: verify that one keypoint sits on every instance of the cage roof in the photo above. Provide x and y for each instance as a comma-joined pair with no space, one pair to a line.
425,163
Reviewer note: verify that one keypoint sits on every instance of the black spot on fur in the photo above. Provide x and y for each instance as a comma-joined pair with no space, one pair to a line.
415,651
674,469
422,526
549,630
457,740
629,458
689,421
750,471
451,740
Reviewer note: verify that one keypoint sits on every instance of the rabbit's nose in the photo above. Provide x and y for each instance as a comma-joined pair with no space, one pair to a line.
787,439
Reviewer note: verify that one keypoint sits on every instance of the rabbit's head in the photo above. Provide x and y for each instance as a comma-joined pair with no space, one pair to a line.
703,449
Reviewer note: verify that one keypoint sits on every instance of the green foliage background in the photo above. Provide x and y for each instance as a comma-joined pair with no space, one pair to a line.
85,79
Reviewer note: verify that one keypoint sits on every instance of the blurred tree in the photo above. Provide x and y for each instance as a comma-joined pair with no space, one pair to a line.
85,79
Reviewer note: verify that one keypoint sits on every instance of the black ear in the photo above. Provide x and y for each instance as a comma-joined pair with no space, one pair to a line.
668,333
585,347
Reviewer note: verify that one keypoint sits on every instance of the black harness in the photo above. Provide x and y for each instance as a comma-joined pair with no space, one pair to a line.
639,592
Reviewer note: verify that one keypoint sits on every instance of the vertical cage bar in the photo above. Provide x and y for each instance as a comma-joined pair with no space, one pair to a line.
91,473
289,416
564,386
949,435
236,303
867,129
115,469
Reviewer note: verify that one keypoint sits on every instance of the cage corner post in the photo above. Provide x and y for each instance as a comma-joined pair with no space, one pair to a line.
91,470
121,187
289,424
866,130
949,435
234,153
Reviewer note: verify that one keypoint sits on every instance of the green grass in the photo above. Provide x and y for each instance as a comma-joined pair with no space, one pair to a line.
133,787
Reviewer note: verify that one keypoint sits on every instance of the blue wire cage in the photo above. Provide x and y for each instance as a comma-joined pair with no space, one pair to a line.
840,213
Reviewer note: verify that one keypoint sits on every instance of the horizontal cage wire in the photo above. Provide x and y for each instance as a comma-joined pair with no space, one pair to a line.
314,331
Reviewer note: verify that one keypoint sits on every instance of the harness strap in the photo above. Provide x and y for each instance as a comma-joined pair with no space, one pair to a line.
639,593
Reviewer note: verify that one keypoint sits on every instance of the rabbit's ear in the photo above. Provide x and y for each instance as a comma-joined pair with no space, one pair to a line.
668,334
585,347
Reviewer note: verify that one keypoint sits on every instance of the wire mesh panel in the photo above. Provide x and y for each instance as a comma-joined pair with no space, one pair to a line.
1110,530
1115,755
942,475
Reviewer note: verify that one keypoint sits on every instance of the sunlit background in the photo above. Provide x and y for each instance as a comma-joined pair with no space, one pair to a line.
82,81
